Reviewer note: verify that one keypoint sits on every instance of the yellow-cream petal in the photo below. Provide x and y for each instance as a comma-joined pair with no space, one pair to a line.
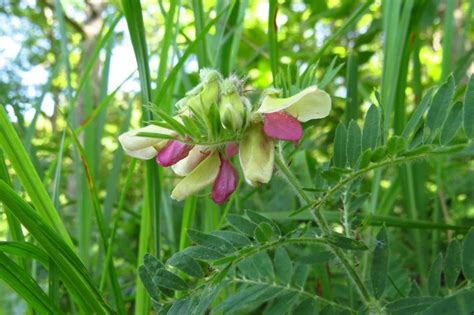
203,175
189,163
256,154
311,103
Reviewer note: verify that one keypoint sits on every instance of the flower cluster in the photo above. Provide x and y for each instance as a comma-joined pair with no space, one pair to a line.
221,108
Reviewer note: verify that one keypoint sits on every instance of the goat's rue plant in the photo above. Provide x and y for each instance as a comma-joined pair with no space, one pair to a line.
267,262
236,196
216,121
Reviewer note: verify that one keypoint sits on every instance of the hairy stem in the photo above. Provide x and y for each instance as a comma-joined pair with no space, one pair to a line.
321,221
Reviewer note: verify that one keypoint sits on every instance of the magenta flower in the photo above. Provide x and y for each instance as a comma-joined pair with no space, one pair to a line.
231,149
173,152
282,116
225,183
282,126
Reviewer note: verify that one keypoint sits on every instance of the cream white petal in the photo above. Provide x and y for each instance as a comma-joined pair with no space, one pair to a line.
142,154
256,154
311,103
203,175
143,147
189,163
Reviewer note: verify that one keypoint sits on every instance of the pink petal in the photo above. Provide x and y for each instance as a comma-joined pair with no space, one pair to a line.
172,153
231,149
282,126
225,183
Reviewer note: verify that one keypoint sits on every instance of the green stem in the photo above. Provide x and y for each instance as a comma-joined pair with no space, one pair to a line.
321,221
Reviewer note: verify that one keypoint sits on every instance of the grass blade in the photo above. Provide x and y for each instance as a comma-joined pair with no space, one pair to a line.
12,145
17,278
73,273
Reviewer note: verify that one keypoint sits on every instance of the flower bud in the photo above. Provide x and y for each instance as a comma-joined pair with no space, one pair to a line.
231,110
208,94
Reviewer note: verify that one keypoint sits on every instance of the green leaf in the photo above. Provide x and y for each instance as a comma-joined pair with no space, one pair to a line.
379,269
241,224
257,218
306,307
452,124
439,109
152,263
378,154
395,145
418,150
146,278
417,114
257,266
263,232
468,255
354,144
365,159
186,264
169,280
23,284
340,155
452,263
300,275
202,253
370,132
468,114
283,266
434,276
182,306
207,296
411,305
315,258
236,239
356,204
245,296
211,241
459,303
282,304
345,242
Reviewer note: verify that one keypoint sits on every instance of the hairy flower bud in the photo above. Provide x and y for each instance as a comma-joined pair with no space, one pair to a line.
209,93
231,110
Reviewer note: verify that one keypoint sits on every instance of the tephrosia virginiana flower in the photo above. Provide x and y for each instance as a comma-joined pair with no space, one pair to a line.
221,124
282,115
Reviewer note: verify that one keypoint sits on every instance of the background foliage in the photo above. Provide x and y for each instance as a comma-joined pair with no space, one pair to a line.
81,223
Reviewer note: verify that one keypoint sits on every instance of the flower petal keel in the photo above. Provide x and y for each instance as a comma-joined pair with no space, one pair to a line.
172,153
225,183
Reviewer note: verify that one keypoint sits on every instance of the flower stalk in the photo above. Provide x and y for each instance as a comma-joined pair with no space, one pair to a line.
326,230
